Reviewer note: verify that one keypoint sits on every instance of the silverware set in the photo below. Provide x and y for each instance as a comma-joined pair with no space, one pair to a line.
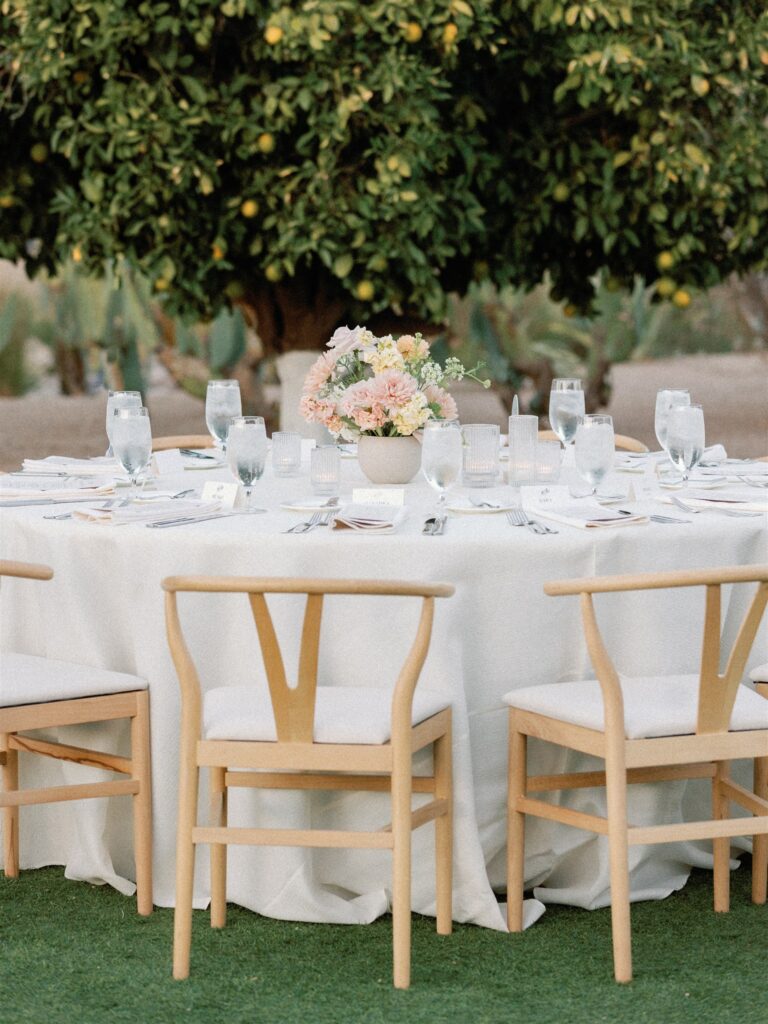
735,513
322,517
518,517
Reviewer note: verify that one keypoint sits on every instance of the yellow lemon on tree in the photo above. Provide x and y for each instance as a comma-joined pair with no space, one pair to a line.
265,142
665,260
682,298
365,291
77,254
450,32
412,32
217,251
162,284
273,34
6,202
273,272
560,192
700,85
39,152
249,208
665,287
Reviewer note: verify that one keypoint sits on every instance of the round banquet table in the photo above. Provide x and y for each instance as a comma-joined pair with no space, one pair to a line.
104,607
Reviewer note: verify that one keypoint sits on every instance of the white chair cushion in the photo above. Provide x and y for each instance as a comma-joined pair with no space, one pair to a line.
653,707
28,679
343,714
760,674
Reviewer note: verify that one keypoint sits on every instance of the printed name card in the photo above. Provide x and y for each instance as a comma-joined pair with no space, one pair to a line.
394,496
544,496
225,494
167,463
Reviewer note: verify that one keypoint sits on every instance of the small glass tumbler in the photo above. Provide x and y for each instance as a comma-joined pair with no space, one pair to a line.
325,469
286,453
549,457
523,441
480,463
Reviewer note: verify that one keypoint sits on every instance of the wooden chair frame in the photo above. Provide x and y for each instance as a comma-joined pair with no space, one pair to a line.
295,761
164,444
17,720
704,754
623,442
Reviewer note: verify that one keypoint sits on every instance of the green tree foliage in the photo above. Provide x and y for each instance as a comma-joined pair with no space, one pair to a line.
332,159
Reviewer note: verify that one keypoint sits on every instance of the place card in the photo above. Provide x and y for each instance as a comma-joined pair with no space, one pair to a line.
544,496
378,496
223,493
167,463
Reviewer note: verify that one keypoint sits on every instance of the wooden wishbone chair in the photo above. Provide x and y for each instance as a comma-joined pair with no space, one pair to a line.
38,693
646,730
164,444
623,442
310,737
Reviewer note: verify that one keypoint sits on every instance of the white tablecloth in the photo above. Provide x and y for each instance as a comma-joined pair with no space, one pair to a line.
105,607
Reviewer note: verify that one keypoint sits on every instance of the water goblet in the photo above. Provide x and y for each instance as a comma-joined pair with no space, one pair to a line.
222,405
566,407
685,437
132,443
441,456
594,449
666,398
247,453
120,400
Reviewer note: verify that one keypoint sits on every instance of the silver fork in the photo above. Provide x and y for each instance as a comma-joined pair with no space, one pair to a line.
517,517
309,524
734,512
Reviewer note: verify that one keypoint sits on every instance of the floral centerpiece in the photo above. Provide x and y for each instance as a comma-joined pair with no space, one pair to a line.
368,387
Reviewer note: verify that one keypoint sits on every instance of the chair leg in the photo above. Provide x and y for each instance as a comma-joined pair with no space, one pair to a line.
142,804
218,793
444,833
618,848
401,874
9,781
721,848
516,787
185,862
760,843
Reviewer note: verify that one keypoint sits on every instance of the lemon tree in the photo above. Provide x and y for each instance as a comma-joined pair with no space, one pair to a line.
329,160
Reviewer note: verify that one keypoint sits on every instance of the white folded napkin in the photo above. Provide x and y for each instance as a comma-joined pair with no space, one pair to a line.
745,498
140,511
60,489
62,465
369,518
588,514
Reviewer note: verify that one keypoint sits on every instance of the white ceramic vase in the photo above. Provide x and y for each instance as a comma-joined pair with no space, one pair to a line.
389,460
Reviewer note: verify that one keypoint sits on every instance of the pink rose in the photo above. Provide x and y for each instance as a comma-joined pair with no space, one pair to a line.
393,389
447,404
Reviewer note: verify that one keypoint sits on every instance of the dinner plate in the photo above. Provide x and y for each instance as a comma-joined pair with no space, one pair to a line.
310,504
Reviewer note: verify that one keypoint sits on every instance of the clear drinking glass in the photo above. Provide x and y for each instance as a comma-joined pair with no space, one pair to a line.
247,453
480,466
132,442
441,456
594,449
685,437
222,405
549,458
566,407
665,399
325,469
523,435
286,453
120,400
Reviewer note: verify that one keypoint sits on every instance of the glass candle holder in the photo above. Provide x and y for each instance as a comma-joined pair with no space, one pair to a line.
286,453
480,454
325,469
549,457
523,439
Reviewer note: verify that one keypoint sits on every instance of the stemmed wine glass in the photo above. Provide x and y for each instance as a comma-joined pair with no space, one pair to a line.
222,405
566,407
247,453
685,437
594,449
120,400
441,456
666,398
132,442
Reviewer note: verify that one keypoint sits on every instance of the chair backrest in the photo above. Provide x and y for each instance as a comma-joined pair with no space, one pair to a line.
623,442
294,707
717,692
26,570
164,444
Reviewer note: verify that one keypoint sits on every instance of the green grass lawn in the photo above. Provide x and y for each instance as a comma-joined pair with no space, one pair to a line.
72,953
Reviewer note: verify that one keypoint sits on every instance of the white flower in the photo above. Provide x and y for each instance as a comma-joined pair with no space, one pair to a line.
385,356
431,373
347,339
454,368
